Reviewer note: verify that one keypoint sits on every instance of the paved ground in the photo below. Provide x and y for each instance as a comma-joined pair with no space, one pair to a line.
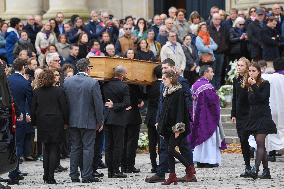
226,176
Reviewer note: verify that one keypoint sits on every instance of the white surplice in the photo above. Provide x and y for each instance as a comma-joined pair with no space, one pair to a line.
276,102
209,151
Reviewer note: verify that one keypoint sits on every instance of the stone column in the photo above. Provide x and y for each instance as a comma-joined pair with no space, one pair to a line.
22,8
68,7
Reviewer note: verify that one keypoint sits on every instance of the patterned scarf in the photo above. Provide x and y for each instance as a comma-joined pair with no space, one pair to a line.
205,37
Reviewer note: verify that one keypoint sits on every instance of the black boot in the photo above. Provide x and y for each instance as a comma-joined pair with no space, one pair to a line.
254,172
246,174
265,174
252,150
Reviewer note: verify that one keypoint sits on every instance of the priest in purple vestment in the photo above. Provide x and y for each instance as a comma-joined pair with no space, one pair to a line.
206,138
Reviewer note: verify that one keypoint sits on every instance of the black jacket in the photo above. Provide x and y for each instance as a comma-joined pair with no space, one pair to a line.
32,31
153,96
173,111
240,103
238,47
270,43
49,113
118,93
221,38
136,95
148,56
191,57
254,37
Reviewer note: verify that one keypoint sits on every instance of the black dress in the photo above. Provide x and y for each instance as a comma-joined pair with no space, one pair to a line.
260,119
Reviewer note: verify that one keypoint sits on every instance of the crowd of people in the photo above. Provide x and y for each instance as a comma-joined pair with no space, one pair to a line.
77,117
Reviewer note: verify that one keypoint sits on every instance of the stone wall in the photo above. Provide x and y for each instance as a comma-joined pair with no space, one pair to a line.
245,4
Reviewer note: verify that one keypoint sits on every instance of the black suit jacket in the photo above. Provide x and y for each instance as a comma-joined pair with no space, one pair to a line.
118,93
136,95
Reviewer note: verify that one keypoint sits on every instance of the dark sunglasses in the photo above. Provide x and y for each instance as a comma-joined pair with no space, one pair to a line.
252,11
127,28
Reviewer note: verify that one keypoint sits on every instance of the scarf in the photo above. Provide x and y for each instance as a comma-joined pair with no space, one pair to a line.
174,88
96,52
205,37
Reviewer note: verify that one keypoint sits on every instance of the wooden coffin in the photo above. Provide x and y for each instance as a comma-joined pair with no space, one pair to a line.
138,72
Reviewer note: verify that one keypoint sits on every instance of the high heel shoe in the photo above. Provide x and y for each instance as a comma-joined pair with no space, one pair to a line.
172,179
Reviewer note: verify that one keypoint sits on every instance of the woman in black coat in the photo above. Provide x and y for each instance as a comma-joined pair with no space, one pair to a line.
260,122
173,125
143,53
270,40
50,115
238,40
192,59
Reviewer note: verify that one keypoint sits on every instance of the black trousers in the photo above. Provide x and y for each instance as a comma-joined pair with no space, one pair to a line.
153,137
131,137
184,158
244,136
97,152
114,135
65,144
51,157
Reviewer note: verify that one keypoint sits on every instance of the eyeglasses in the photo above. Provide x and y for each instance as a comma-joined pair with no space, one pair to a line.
127,28
252,11
172,35
241,24
57,61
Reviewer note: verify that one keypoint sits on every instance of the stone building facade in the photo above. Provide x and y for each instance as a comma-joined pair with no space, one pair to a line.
119,8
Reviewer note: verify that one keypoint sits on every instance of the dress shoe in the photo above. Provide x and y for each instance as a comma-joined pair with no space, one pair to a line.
208,165
75,180
4,187
119,175
265,174
132,170
19,177
102,165
189,176
97,174
246,174
154,179
90,180
29,158
200,165
60,169
23,174
3,180
271,158
21,160
13,182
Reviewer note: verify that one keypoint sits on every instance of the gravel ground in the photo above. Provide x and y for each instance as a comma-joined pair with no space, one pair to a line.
226,176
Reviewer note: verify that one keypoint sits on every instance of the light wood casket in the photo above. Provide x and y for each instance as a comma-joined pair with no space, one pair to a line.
138,72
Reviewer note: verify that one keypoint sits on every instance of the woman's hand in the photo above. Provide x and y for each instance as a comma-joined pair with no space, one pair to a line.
251,81
109,104
177,134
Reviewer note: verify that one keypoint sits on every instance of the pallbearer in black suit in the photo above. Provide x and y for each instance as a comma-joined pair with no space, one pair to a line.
116,98
240,110
49,114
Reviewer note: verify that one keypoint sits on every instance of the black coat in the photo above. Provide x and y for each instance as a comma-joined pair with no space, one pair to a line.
240,103
238,47
191,57
49,113
136,95
221,38
270,43
260,119
254,38
83,51
32,31
173,111
148,56
153,96
118,93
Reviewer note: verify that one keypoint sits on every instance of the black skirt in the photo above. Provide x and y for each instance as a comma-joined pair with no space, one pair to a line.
261,126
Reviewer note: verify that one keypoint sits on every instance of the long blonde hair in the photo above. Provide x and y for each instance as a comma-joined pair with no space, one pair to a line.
246,74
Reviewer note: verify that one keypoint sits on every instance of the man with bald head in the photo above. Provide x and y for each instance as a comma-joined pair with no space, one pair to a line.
32,28
220,35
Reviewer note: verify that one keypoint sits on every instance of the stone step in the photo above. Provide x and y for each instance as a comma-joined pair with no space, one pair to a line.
226,118
226,111
228,125
231,132
232,139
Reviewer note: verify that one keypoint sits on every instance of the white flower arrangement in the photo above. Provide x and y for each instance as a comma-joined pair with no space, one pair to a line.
232,73
143,141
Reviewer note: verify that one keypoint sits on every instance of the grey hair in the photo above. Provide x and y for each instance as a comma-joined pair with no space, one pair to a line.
109,46
238,20
51,56
204,69
82,64
119,71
